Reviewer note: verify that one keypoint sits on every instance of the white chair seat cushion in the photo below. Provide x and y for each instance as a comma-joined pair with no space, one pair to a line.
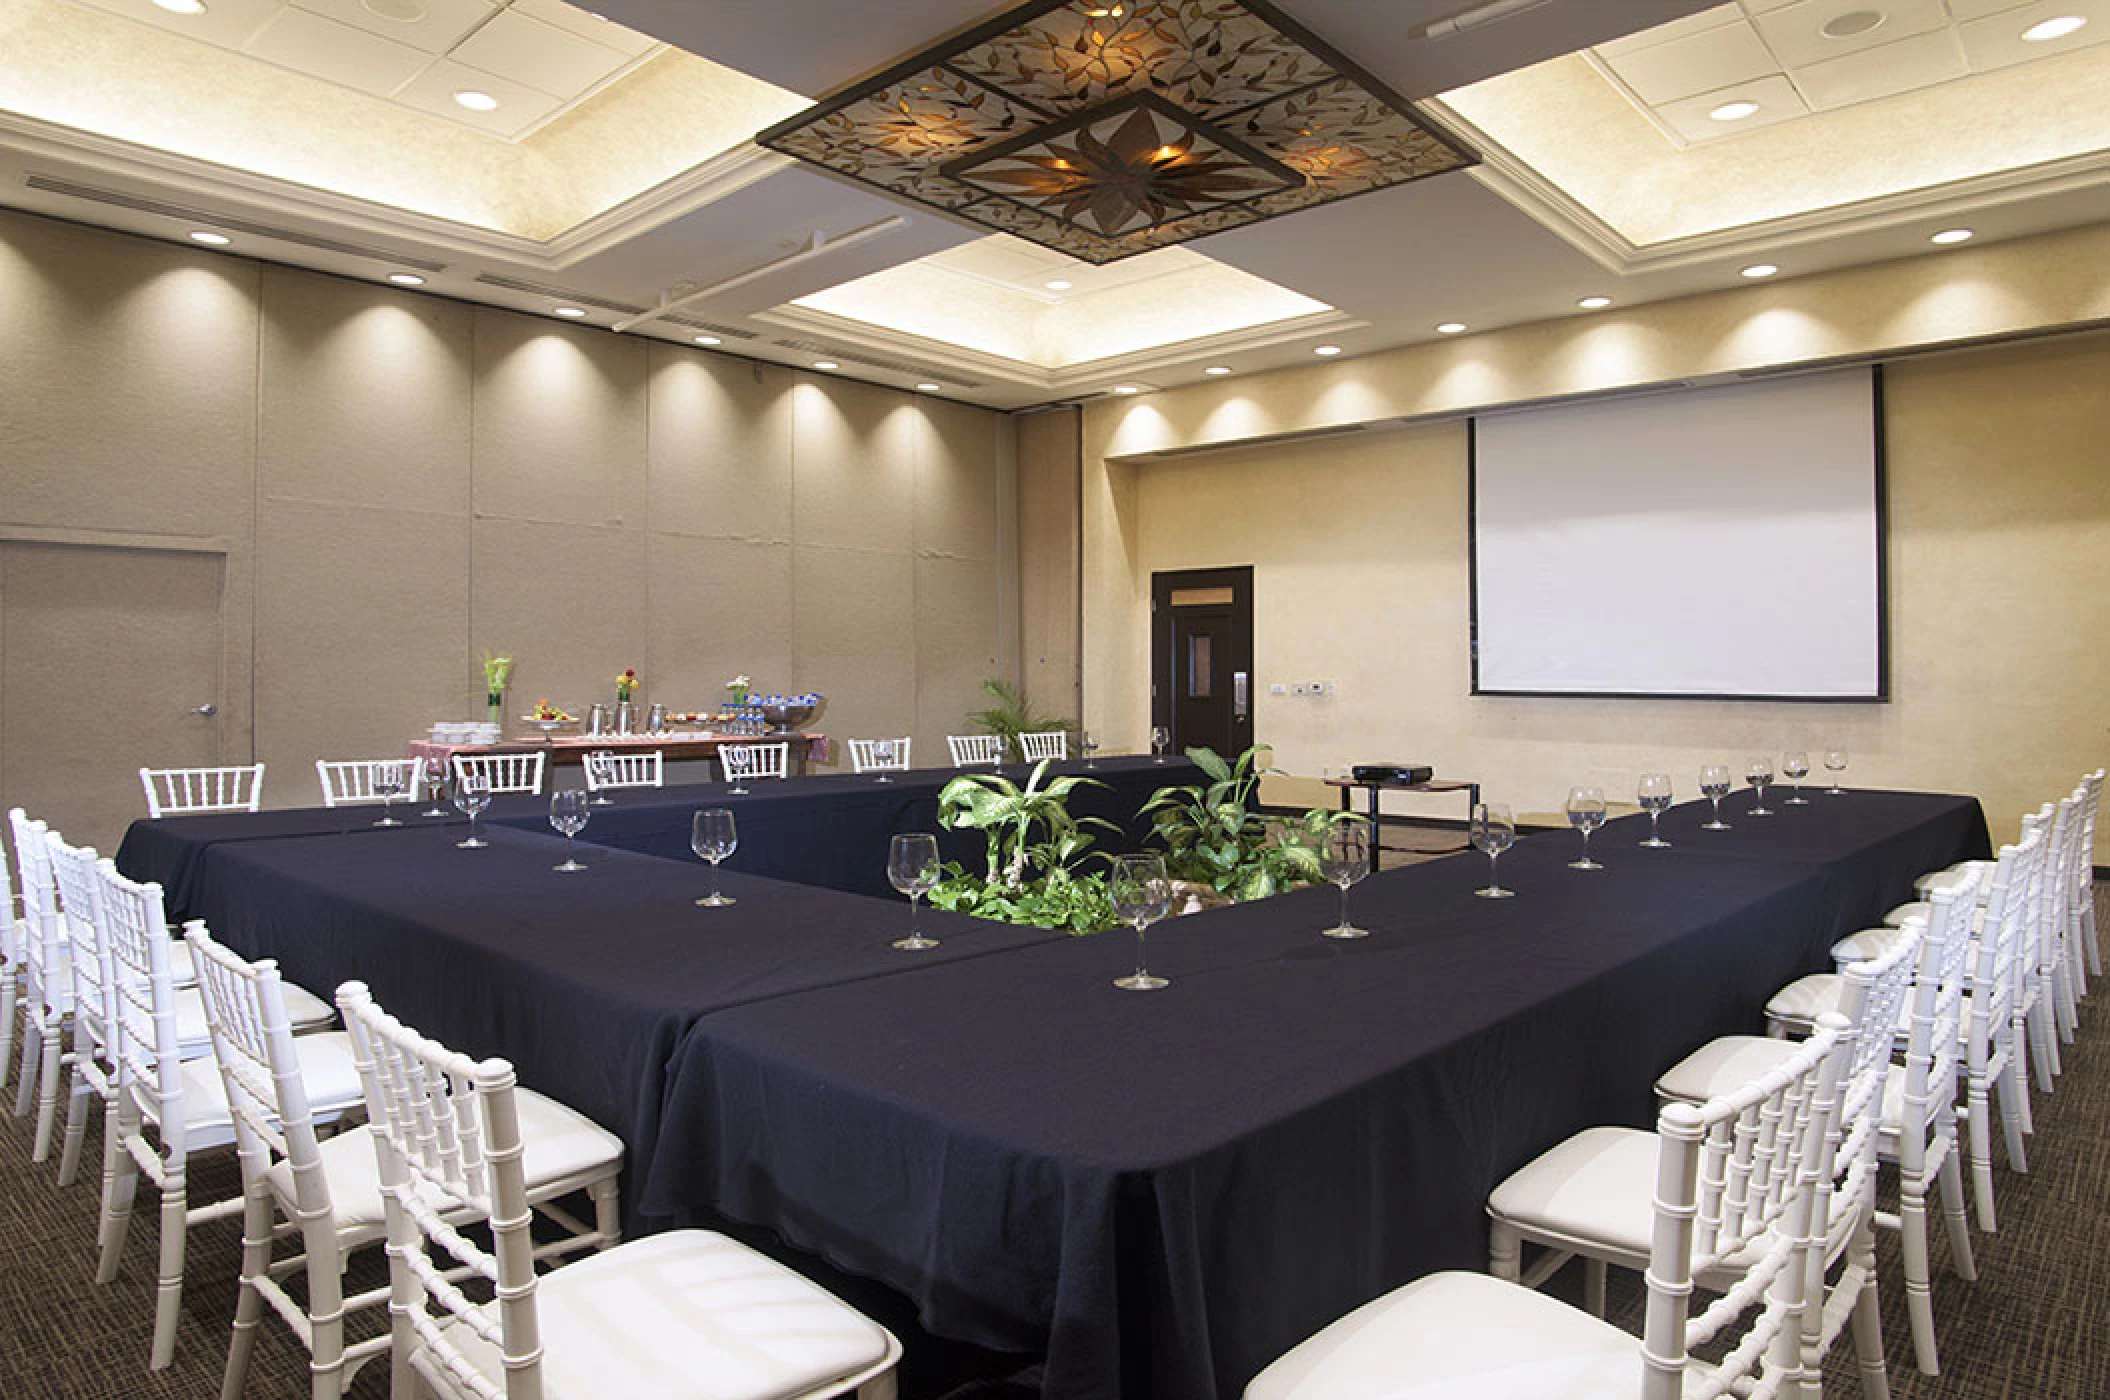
1921,909
327,1072
1458,1336
1721,1065
562,1148
1798,1005
1953,875
304,1011
1596,1186
688,1315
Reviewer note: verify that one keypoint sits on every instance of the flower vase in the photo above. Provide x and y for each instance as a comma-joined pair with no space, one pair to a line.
495,708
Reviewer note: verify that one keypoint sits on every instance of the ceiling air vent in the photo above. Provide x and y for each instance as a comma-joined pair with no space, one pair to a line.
162,208
1267,440
814,347
695,323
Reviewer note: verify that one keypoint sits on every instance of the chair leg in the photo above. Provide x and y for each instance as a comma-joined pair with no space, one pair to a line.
2044,1046
257,1218
1919,1295
1867,1320
1978,1125
120,1183
2014,1114
168,1288
77,1094
1949,1180
32,1057
2018,1072
9,1009
51,1063
2068,1015
1593,1286
607,1212
1505,1252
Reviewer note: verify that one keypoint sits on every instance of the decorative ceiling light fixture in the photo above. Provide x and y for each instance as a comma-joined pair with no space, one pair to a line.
1104,130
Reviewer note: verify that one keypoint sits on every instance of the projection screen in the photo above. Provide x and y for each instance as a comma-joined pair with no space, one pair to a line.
1717,542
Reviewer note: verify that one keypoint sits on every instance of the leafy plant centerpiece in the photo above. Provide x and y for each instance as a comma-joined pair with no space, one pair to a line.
1036,849
1213,837
1010,716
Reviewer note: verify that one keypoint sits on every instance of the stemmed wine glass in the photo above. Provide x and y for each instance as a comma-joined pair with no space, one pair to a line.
431,771
388,786
713,837
912,868
1835,764
883,756
1586,813
1654,796
568,811
1714,786
1758,772
1090,746
472,793
1344,858
1795,766
1142,895
1494,831
1160,737
602,762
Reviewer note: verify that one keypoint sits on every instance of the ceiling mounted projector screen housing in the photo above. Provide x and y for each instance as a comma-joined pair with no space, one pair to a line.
1721,542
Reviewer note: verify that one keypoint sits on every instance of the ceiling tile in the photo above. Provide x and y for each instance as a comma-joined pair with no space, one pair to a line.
1676,29
323,48
1917,62
228,23
1997,42
540,55
1796,34
1979,9
439,25
1732,53
519,106
587,25
1776,98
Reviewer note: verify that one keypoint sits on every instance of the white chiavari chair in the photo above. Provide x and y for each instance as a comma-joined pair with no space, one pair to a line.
1735,1192
79,884
605,771
2084,885
47,994
747,761
969,750
176,791
1053,743
640,1321
880,755
506,772
14,967
350,782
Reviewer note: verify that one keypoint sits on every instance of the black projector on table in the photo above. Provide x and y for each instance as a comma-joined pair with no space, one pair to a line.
1393,774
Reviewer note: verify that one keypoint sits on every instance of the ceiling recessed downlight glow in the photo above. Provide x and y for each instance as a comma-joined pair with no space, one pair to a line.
1126,389
1325,349
2044,31
401,11
182,7
1952,235
571,313
1217,369
826,364
1734,111
209,239
1594,303
708,340
927,387
475,101
1450,327
406,279
1757,270
1057,284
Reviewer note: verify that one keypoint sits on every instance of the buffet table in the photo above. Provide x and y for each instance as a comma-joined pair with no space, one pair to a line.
563,747
1155,1193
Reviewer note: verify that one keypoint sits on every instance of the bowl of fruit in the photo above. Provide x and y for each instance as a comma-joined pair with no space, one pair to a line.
550,718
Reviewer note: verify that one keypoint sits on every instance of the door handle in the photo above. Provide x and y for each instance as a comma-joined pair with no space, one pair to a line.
207,709
1238,694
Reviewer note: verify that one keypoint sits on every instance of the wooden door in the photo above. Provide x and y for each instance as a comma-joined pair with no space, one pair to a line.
107,657
1201,675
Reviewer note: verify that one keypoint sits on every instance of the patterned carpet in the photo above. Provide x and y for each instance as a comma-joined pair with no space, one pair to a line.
2036,1325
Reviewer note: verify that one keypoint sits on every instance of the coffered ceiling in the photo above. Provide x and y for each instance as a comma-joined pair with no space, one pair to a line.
614,172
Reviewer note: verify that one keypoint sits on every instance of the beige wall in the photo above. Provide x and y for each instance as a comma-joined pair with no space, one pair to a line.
1048,560
1999,540
400,481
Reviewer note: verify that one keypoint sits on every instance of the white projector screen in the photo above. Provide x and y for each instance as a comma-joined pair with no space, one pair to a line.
1719,542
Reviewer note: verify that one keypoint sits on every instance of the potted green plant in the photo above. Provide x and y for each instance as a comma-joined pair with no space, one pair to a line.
1036,850
1215,841
1009,715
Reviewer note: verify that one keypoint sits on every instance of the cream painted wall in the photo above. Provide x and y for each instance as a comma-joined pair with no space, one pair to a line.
401,481
2000,602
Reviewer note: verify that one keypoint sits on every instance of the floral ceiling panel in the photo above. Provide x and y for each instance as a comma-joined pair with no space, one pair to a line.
1103,130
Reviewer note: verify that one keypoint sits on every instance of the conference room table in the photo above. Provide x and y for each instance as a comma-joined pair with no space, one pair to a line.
1156,1193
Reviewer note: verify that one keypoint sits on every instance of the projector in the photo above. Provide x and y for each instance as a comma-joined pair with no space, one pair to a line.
1393,774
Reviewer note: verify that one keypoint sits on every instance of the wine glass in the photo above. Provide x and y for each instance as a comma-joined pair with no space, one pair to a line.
1344,858
1160,738
602,764
1585,813
883,756
1090,746
1142,895
1494,831
388,786
568,811
1758,772
431,771
472,793
1835,764
1795,766
1714,786
713,837
1654,796
912,868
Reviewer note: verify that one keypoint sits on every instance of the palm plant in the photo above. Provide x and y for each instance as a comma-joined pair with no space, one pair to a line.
1011,715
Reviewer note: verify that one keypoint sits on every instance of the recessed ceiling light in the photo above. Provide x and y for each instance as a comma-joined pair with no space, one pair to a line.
1852,24
1594,303
927,387
1952,235
708,340
476,101
1757,270
402,11
571,313
1450,327
182,7
1734,111
1057,284
826,364
1325,349
406,279
2046,30
212,240
1126,389
1217,369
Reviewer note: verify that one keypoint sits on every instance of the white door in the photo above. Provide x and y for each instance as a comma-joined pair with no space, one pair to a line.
109,662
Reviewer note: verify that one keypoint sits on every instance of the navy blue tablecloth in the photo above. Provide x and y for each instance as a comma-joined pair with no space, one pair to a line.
1160,1193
